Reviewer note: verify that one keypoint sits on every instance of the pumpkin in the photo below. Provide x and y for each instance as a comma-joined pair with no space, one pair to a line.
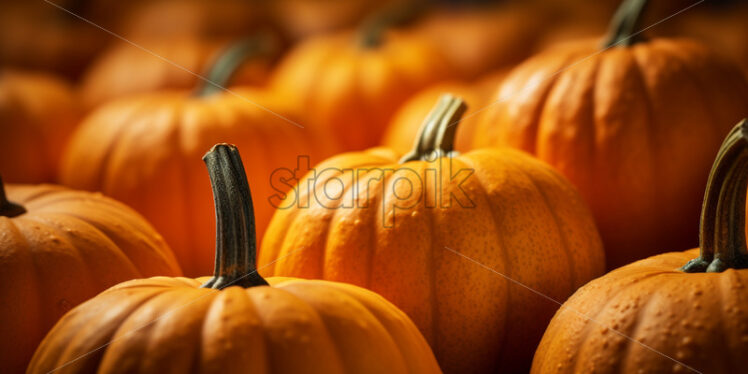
406,122
352,83
144,150
236,321
657,315
125,70
633,126
426,232
480,38
38,35
58,248
38,112
183,19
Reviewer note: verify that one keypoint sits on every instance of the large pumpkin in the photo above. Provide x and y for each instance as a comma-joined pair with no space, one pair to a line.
352,83
145,151
58,248
659,316
235,322
38,112
434,238
634,126
172,64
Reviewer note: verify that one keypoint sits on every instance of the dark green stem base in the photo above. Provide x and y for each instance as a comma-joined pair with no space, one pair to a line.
8,208
437,134
623,30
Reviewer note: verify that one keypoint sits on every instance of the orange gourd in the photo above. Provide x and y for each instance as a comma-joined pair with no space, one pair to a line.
407,120
38,112
633,126
430,233
58,248
144,151
172,64
352,83
666,313
236,321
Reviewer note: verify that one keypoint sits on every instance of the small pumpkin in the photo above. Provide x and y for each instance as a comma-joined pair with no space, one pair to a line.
236,321
145,151
351,83
407,120
657,315
125,70
412,231
38,112
633,126
58,248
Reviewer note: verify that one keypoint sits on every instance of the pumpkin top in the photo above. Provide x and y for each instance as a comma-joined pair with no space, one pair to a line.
8,208
722,227
623,30
236,242
437,134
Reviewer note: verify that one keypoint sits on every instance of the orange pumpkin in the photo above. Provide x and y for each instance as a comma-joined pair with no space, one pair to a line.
58,248
125,70
145,150
407,120
633,126
38,112
352,83
413,231
235,322
479,39
657,315
38,35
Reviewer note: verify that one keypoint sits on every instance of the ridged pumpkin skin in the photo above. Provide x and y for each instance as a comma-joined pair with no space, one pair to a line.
236,321
125,70
633,128
292,326
38,112
145,151
700,320
353,90
66,248
526,222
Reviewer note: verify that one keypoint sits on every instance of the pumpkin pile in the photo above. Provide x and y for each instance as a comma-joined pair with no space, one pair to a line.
506,186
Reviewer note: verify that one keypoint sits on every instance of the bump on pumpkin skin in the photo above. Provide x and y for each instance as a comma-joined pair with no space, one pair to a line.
65,248
527,223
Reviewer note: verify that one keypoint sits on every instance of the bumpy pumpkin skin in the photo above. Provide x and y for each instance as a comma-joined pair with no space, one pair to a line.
146,150
633,128
700,320
353,90
66,248
293,326
125,70
38,112
528,223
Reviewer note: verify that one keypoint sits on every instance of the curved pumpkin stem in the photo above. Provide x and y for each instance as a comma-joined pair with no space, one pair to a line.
8,208
236,242
722,228
231,59
437,133
624,24
373,28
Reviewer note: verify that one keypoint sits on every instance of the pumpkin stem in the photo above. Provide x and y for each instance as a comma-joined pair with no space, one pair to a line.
624,24
236,244
229,61
8,208
437,133
722,227
373,28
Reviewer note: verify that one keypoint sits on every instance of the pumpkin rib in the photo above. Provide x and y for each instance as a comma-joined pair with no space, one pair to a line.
502,245
330,223
433,281
720,294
